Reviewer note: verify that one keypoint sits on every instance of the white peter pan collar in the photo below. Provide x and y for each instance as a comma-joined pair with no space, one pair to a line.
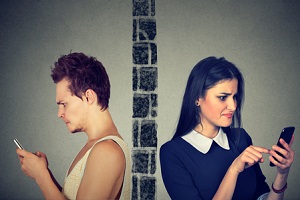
203,144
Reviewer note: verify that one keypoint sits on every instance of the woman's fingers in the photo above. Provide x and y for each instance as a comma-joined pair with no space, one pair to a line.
285,145
253,154
261,149
292,140
282,156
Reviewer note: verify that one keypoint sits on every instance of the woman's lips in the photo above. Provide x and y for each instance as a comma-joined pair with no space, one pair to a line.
228,115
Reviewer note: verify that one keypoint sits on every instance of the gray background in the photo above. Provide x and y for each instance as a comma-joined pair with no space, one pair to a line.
260,37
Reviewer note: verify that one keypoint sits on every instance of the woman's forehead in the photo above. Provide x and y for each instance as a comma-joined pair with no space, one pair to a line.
227,85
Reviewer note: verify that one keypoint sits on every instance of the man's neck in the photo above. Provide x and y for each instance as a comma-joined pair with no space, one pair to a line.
99,125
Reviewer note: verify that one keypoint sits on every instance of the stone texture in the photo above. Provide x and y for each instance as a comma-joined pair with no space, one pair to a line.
148,136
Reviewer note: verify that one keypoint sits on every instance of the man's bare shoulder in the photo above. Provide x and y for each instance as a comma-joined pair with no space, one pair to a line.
107,150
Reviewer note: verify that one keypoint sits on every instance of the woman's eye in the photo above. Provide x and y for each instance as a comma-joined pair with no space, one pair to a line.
222,98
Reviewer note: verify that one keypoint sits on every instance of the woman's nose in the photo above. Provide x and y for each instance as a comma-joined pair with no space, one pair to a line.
231,104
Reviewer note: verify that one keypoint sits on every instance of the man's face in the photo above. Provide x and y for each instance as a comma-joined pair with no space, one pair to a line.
71,109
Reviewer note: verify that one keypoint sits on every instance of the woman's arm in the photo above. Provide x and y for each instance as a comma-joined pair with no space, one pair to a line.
283,167
177,179
250,156
36,167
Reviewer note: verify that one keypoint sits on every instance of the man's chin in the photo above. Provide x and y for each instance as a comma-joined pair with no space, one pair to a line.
75,131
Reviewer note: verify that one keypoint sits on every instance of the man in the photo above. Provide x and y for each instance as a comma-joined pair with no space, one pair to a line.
99,169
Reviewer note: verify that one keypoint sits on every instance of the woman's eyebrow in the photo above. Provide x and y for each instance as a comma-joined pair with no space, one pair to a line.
225,93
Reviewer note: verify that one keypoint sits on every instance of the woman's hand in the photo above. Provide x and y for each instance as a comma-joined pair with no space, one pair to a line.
33,164
285,161
250,156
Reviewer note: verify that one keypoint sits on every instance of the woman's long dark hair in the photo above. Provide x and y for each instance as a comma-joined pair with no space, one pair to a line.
206,74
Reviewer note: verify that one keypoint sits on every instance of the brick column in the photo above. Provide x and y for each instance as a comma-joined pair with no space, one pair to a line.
144,86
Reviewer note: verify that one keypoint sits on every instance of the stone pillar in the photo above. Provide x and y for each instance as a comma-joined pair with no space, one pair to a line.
144,86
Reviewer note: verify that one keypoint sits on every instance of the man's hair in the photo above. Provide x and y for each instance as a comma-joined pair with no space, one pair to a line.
83,73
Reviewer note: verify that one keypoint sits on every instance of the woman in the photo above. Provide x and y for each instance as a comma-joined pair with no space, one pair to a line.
210,156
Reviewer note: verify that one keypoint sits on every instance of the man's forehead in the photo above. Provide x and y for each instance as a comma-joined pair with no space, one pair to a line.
62,89
63,83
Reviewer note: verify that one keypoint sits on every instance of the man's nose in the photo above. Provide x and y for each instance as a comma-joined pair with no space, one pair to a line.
60,112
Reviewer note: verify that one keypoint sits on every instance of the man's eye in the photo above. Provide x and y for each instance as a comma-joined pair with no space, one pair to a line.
62,104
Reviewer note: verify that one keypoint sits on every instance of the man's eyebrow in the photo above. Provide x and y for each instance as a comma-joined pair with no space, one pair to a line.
59,102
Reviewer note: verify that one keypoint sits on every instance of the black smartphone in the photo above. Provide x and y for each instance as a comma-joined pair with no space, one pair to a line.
18,144
286,135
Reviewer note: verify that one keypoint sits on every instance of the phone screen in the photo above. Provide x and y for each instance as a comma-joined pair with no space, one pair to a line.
286,135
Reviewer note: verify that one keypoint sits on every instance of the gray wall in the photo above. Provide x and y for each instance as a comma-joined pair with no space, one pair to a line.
260,37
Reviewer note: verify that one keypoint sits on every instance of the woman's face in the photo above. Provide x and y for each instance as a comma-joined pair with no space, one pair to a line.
218,105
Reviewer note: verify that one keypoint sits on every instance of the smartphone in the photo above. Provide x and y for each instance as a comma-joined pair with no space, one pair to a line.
286,135
18,144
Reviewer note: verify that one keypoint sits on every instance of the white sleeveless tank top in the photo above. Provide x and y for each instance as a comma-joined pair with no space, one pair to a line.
73,180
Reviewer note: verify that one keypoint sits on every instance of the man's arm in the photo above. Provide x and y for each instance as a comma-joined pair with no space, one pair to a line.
104,172
49,187
36,167
55,181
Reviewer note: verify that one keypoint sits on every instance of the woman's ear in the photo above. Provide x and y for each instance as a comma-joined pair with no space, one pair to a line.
197,102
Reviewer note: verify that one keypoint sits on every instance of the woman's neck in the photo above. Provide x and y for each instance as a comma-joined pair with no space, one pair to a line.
207,132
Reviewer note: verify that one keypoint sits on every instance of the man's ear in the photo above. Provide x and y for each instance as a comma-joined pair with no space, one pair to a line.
90,96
